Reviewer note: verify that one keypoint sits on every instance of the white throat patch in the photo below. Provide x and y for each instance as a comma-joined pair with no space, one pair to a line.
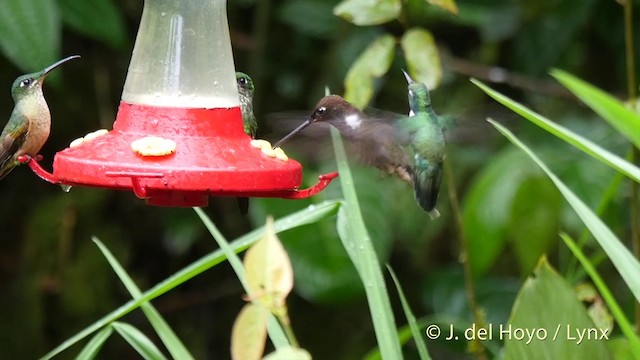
353,121
411,113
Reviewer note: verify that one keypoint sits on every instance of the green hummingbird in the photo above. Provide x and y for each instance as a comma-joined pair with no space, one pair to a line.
427,140
373,139
28,127
245,90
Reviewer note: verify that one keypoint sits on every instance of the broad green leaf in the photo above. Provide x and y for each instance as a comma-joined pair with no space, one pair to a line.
372,63
303,217
249,333
423,59
548,317
625,326
162,328
99,19
626,264
449,5
418,336
496,212
268,270
625,120
586,145
289,353
30,33
139,341
356,241
91,350
368,12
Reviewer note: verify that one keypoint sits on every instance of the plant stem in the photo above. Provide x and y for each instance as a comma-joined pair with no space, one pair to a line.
470,291
631,93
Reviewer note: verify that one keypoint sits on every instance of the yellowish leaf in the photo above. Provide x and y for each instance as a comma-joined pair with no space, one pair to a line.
422,56
268,270
249,333
449,5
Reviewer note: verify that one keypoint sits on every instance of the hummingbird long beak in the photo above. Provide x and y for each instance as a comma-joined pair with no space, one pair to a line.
295,131
51,67
406,76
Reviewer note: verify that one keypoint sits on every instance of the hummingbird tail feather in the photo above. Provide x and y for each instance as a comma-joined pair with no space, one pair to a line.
6,168
426,184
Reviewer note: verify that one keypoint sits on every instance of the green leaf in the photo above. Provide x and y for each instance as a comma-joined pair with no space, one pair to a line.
418,336
626,264
368,12
99,19
497,207
586,145
91,350
617,312
623,119
303,217
548,308
423,59
372,63
249,332
449,5
139,341
164,331
30,33
356,241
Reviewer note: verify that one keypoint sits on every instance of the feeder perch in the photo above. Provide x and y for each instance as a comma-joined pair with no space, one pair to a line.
181,95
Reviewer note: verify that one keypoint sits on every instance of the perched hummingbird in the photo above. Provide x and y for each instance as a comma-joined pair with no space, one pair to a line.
427,140
30,122
375,141
245,90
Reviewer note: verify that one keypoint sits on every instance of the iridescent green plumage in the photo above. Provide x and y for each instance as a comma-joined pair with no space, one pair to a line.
245,90
28,127
427,141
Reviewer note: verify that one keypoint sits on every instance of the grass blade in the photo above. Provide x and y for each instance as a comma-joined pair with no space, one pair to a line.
625,120
582,143
358,245
627,265
276,333
305,216
91,350
418,336
139,341
169,338
601,285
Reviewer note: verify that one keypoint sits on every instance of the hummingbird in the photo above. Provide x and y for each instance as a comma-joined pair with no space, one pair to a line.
376,142
427,140
30,123
245,90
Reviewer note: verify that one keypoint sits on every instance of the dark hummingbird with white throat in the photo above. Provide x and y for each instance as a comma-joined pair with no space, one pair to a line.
427,140
30,123
245,90
375,141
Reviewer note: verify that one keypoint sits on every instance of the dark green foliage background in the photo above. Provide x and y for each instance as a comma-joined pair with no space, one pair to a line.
54,281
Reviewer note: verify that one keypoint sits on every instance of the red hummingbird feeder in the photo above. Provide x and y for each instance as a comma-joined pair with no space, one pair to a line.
178,137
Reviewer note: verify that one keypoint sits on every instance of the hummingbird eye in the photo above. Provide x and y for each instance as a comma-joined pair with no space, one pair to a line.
242,81
25,82
321,110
